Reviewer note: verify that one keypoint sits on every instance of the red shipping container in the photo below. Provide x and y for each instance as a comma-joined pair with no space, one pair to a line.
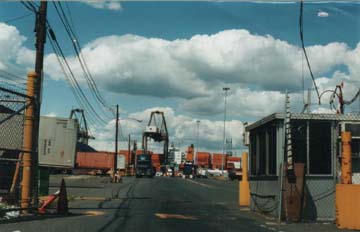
95,160
203,159
219,161
233,159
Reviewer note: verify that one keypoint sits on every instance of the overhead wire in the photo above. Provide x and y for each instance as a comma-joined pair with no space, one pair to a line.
74,81
70,81
77,48
304,49
78,93
18,18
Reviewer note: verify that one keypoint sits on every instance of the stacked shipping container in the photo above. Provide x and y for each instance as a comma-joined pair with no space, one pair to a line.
219,161
203,159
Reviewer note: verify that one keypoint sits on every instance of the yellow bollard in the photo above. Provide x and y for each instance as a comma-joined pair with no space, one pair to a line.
244,185
346,171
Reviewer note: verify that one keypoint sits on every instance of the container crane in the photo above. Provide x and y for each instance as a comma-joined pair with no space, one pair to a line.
157,131
84,134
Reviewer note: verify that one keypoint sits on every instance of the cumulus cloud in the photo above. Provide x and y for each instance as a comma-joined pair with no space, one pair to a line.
193,68
104,4
322,14
10,43
182,130
258,68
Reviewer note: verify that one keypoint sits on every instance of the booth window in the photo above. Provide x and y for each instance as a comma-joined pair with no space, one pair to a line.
320,148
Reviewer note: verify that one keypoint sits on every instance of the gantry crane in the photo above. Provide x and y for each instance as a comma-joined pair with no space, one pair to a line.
84,134
157,131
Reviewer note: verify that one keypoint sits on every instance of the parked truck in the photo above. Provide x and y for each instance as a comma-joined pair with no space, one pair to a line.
144,166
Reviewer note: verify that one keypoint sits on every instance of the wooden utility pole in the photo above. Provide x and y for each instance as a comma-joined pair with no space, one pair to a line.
116,141
129,149
28,145
40,30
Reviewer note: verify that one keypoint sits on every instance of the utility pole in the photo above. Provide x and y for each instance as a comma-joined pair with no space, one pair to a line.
40,30
225,89
197,140
116,141
129,149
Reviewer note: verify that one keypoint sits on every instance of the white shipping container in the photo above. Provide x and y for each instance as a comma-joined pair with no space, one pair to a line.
177,157
57,142
120,161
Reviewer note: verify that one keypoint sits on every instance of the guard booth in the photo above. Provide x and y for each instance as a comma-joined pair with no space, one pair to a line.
316,145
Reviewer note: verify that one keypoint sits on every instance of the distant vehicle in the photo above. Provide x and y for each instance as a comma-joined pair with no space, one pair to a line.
144,166
189,170
158,174
234,173
201,173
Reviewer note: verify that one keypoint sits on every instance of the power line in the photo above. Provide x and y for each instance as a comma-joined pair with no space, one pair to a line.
304,50
72,78
18,18
77,48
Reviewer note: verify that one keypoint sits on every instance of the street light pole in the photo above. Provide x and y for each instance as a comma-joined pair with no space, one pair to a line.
197,139
225,89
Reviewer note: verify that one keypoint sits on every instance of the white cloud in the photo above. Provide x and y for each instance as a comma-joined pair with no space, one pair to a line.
182,129
104,4
51,114
10,43
322,14
193,68
258,68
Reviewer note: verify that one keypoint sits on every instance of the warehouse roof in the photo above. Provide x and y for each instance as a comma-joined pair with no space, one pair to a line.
304,116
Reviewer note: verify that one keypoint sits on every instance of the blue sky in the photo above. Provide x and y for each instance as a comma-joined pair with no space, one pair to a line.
181,21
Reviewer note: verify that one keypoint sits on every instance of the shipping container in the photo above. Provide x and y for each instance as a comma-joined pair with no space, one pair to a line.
57,142
128,156
219,161
121,162
95,160
203,159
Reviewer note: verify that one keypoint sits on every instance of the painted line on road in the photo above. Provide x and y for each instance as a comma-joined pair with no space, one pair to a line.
201,184
93,213
175,216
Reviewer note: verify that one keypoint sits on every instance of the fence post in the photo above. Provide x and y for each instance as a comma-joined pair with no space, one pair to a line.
28,143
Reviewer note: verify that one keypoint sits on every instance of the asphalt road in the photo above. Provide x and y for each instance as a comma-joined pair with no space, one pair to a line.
154,204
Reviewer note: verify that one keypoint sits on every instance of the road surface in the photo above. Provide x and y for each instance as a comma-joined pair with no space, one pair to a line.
154,204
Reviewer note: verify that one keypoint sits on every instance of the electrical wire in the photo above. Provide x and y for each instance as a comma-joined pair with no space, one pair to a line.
74,82
70,82
18,18
304,50
77,48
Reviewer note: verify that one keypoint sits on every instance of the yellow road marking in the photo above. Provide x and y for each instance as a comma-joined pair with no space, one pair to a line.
93,213
175,216
202,184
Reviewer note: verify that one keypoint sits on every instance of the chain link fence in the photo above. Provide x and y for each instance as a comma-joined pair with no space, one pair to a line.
12,108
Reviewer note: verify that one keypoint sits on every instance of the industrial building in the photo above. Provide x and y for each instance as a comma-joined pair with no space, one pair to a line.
315,142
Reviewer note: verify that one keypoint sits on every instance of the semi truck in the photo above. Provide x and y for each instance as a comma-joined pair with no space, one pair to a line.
144,166
189,170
